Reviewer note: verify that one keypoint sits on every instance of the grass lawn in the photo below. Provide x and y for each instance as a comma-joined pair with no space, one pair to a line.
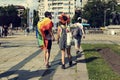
98,69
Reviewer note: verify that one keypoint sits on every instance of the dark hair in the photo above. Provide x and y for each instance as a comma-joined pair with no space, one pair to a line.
65,18
47,14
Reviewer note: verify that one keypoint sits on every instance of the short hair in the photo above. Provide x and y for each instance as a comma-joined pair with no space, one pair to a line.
65,18
47,14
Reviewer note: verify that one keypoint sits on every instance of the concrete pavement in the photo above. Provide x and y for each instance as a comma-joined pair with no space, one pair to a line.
21,59
101,38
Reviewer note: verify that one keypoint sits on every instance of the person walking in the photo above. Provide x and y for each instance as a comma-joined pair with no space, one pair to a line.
5,31
78,33
62,39
1,31
45,36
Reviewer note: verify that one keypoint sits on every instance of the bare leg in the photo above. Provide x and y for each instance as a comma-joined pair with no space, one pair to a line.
69,56
45,52
69,53
47,57
77,45
63,57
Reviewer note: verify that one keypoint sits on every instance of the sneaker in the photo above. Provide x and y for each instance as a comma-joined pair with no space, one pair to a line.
77,52
63,66
70,63
80,54
47,66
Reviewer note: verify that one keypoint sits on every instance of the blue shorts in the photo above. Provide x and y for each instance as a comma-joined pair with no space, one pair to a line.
77,41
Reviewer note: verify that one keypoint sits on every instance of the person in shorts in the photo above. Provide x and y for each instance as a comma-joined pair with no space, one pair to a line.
62,41
80,34
48,36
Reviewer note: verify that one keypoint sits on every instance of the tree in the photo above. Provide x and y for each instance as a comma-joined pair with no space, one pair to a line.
24,17
7,14
2,11
11,13
112,4
77,14
36,18
94,13
95,10
16,21
12,10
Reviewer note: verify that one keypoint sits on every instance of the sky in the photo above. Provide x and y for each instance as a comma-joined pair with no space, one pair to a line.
32,4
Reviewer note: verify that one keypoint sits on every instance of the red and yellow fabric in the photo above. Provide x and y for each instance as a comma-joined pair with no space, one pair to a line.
45,24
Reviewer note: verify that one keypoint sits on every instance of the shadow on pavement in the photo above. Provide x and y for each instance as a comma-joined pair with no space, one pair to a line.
88,50
15,74
25,74
54,64
19,65
90,59
10,46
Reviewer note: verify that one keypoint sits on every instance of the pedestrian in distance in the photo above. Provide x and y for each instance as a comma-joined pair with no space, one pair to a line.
27,30
5,31
62,39
78,33
1,31
45,36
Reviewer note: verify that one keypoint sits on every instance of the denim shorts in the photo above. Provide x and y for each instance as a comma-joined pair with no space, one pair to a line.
77,41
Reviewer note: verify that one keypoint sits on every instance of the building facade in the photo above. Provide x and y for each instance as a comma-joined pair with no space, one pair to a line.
56,7
59,6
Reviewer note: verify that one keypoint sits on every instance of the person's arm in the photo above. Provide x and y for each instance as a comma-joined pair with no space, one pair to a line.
51,33
83,33
58,35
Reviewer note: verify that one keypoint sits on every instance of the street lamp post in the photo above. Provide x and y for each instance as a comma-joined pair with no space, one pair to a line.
105,17
81,10
27,16
69,8
27,7
105,11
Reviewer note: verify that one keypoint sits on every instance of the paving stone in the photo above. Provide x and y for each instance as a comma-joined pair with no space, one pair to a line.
21,59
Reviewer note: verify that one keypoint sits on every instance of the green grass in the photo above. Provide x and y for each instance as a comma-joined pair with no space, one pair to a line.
98,69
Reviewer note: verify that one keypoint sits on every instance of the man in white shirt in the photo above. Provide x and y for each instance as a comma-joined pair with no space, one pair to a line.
79,34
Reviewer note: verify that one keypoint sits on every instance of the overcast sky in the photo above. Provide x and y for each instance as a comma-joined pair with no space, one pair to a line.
33,4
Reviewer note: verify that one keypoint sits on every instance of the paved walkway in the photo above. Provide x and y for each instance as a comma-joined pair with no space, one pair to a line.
21,59
102,38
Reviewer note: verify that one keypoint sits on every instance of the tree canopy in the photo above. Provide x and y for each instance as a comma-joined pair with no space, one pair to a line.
94,12
8,14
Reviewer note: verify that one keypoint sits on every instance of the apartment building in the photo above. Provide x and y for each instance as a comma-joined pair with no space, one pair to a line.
56,7
118,2
59,6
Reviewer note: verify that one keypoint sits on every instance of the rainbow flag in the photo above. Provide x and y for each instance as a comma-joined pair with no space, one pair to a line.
45,24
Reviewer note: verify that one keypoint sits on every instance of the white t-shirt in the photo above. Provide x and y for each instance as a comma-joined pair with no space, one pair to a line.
79,25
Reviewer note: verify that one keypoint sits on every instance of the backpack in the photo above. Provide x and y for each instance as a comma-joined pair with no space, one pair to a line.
66,35
77,32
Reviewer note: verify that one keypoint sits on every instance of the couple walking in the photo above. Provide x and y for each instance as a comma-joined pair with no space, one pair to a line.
45,38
